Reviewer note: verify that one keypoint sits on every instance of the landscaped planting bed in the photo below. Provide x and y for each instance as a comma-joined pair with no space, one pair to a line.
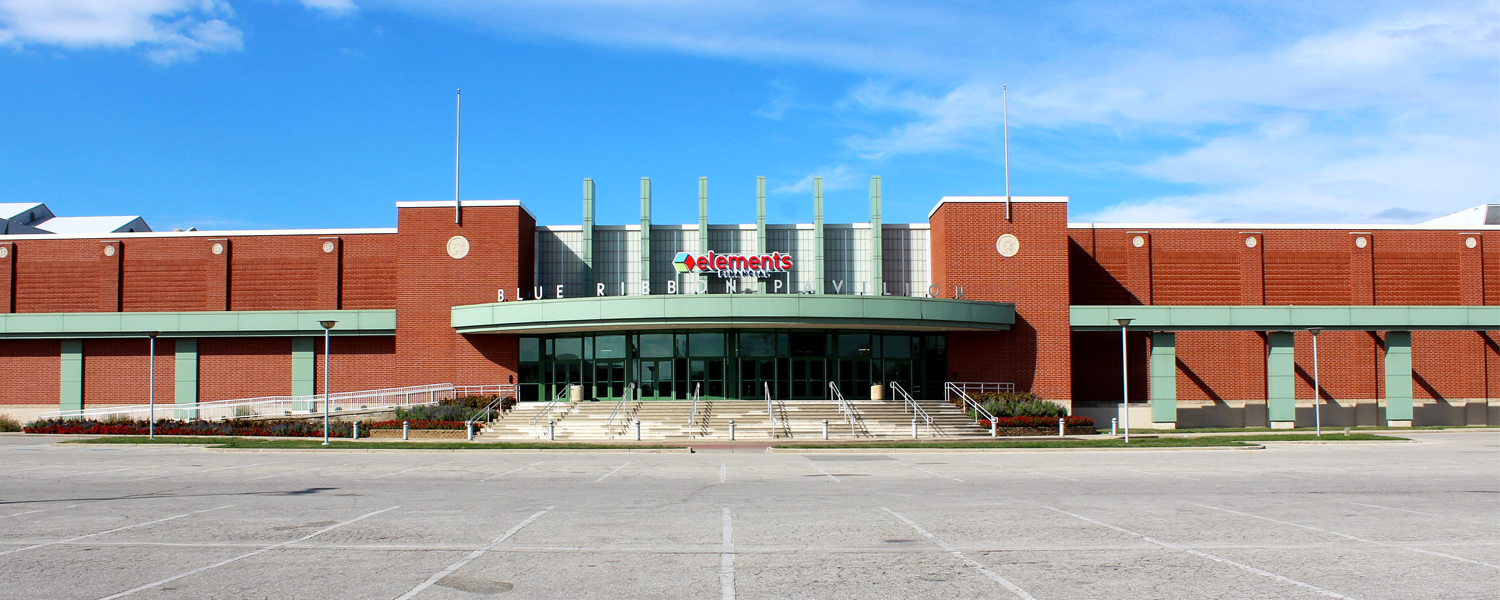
1040,425
276,428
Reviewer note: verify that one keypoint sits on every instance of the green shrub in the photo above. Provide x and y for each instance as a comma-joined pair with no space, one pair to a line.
1019,404
9,424
438,412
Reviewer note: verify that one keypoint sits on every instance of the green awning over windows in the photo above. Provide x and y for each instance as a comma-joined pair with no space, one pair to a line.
259,323
1286,318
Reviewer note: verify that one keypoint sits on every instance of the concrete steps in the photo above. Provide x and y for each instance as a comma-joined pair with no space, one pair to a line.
669,421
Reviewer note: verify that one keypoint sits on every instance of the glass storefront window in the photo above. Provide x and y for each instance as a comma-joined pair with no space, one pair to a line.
705,345
656,345
854,345
531,349
610,347
757,343
569,349
896,346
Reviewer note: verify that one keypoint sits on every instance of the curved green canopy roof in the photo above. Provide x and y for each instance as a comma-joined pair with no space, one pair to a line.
739,311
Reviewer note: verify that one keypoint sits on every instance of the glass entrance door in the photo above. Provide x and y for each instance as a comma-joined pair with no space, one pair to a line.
656,379
609,379
809,379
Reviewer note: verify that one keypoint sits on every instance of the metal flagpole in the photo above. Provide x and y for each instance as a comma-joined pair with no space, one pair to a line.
1005,97
1125,372
458,108
1317,416
151,427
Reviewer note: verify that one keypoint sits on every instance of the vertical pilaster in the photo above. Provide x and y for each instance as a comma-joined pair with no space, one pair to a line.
588,236
1366,358
1164,379
185,374
110,254
7,277
216,290
1471,292
760,226
1138,261
1252,268
304,369
877,249
1398,400
1281,388
645,230
70,376
818,235
330,282
1361,268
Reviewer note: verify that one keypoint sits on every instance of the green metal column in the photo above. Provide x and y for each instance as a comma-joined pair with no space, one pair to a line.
304,369
818,235
645,229
185,374
702,223
877,248
1398,401
70,376
760,225
588,237
1164,377
1281,399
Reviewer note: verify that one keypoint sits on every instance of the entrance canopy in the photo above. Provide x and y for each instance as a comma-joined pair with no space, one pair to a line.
704,311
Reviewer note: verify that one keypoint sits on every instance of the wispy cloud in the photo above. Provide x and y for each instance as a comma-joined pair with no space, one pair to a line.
167,31
834,178
336,8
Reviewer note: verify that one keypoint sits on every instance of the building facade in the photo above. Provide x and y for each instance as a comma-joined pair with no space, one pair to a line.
990,290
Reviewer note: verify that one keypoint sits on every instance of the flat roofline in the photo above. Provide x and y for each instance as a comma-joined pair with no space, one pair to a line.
989,199
449,204
1355,227
205,234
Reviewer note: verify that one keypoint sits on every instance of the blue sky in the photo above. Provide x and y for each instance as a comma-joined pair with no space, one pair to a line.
229,114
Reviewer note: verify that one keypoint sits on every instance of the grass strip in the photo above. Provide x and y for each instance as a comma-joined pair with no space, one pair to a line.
1175,442
317,444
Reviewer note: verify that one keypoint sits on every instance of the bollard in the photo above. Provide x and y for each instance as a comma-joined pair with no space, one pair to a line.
1060,422
1346,432
1114,423
993,425
356,430
637,430
913,428
825,429
731,430
551,431
469,430
405,430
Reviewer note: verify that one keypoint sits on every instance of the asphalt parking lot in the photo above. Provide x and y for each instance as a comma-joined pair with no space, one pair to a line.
1356,520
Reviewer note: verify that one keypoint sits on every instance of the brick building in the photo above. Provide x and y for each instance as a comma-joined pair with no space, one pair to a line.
989,290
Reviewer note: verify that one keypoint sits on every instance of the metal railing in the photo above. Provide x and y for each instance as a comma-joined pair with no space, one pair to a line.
276,406
609,424
916,409
546,412
770,410
498,402
952,390
693,414
851,414
980,387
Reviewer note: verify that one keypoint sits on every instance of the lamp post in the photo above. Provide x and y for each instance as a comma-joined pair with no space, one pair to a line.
151,385
1317,416
327,327
1125,373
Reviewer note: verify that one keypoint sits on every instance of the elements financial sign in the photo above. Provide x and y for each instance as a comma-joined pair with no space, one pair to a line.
734,265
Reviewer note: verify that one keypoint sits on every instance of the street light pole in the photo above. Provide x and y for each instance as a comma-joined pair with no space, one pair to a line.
151,385
1125,372
327,327
1317,415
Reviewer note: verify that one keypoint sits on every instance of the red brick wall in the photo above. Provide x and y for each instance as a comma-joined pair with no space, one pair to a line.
230,368
359,363
1034,354
501,255
116,371
30,373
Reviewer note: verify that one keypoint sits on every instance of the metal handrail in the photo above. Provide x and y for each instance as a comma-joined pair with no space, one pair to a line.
498,401
693,414
983,387
770,410
609,424
906,400
240,408
547,411
851,414
968,402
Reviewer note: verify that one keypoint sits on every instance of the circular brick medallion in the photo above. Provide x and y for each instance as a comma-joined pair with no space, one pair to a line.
218,248
109,250
4,252
1138,241
1471,242
327,247
1360,242
1007,245
1249,242
458,246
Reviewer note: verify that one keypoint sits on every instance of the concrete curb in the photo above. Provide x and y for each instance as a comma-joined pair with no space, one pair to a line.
936,450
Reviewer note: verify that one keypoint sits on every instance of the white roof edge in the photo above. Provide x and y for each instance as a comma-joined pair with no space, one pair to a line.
1001,199
1252,226
449,204
202,234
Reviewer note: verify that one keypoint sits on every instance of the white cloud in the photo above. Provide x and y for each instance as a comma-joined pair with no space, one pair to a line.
337,8
834,178
167,30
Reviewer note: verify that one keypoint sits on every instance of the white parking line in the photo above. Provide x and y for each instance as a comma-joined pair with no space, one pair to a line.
929,472
109,471
1158,474
1261,572
723,472
726,559
472,555
199,472
1025,471
298,472
1357,539
407,471
820,470
247,555
29,512
512,471
1014,589
74,539
606,475
1418,512
29,469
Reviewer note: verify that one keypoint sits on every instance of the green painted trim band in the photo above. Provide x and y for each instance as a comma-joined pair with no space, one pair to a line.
723,310
241,323
185,373
1285,318
70,376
